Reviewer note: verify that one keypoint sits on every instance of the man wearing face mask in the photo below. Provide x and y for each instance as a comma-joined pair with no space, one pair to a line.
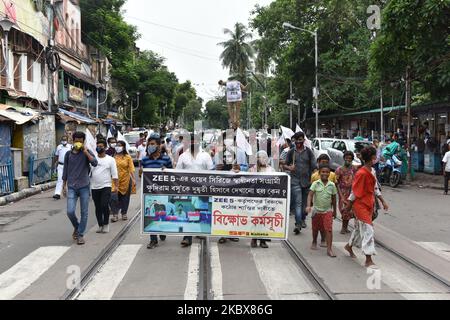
155,160
60,153
101,177
194,159
300,163
142,151
76,183
112,142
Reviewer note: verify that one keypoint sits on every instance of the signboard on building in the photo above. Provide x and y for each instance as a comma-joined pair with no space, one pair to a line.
218,204
76,94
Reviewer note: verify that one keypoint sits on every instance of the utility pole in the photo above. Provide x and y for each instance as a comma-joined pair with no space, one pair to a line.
290,105
408,108
51,43
382,117
316,95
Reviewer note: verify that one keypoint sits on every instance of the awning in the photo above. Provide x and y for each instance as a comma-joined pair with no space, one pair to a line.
68,116
18,114
78,75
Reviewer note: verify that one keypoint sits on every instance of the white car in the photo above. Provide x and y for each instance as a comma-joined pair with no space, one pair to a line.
339,147
132,137
320,145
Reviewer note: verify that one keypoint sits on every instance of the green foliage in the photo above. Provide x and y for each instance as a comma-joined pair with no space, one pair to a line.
161,97
216,113
237,52
414,34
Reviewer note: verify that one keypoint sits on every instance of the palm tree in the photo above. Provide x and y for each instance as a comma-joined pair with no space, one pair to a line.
238,53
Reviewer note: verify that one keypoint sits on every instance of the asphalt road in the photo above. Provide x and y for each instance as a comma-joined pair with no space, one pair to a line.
38,258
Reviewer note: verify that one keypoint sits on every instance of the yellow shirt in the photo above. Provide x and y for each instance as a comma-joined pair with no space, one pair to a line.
125,169
316,176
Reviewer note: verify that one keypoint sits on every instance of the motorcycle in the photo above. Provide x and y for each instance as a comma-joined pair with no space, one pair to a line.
389,172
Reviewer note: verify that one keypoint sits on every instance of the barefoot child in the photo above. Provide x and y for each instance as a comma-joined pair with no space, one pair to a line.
344,177
324,194
323,159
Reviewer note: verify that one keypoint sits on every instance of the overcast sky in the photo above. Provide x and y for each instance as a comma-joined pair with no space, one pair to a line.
194,54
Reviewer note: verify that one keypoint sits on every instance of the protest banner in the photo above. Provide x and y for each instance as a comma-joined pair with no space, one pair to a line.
215,203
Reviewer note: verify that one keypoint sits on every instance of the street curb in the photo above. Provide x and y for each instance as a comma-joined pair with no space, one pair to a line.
26,193
425,186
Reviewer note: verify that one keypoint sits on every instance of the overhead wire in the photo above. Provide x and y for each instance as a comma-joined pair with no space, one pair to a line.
176,29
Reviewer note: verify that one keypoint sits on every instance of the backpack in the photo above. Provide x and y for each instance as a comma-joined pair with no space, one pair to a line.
290,155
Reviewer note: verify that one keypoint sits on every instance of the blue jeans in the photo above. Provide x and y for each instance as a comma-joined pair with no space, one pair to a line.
72,198
300,197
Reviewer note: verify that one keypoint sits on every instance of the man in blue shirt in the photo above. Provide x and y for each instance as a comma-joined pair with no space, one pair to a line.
155,160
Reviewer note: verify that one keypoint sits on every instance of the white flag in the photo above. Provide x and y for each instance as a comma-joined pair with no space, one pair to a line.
298,129
91,143
287,133
110,135
242,142
120,137
281,140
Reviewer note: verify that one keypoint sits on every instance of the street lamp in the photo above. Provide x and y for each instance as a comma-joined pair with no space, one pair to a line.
6,25
316,89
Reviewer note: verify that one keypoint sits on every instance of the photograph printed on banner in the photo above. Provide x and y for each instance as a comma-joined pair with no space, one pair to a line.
177,214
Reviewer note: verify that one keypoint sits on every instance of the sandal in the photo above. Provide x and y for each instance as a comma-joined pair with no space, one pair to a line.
264,245
124,217
114,219
222,240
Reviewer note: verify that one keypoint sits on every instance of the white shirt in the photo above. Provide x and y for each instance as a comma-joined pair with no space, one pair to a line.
142,151
61,152
103,173
446,160
203,161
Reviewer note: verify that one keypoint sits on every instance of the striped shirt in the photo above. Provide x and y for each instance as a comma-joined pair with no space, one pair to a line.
162,161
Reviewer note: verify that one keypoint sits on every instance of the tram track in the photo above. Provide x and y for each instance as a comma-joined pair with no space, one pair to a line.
94,267
309,272
409,261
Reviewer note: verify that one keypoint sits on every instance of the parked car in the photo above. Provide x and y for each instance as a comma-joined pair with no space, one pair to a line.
337,149
320,145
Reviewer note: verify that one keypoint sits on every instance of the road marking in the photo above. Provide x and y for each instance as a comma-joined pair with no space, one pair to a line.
402,279
28,270
439,248
281,277
216,272
111,274
191,292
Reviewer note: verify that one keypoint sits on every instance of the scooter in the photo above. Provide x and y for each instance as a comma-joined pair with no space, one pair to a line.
389,172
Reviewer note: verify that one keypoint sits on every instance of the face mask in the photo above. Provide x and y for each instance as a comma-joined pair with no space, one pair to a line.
113,145
152,149
64,143
100,150
119,149
78,146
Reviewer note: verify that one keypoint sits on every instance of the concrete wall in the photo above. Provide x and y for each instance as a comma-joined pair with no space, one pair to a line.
39,139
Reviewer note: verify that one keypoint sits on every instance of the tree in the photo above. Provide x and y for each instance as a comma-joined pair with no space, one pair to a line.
415,35
216,114
237,52
192,112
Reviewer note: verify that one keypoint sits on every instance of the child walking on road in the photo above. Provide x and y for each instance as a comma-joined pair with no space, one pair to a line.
324,193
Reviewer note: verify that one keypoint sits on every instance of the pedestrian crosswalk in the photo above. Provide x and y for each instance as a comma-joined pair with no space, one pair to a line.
110,275
24,273
277,272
